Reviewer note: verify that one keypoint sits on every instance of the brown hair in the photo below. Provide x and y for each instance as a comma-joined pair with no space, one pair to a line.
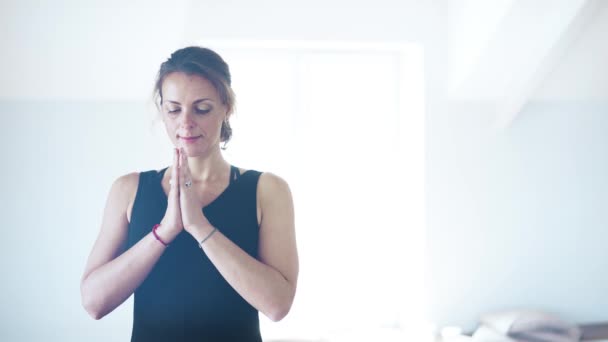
195,60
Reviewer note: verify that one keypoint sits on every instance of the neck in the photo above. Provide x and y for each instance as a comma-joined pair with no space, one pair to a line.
209,167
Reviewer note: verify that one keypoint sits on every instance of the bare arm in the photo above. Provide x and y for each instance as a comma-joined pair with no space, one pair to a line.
110,276
268,284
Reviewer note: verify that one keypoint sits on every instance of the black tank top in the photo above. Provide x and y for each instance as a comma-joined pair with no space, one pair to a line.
184,297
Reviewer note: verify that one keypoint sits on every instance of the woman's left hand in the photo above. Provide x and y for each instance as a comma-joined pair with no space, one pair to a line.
192,213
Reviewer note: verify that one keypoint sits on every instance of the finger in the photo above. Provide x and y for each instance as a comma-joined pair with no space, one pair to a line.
184,171
186,167
171,182
180,173
179,163
174,190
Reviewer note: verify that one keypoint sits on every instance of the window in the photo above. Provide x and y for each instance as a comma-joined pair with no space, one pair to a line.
343,123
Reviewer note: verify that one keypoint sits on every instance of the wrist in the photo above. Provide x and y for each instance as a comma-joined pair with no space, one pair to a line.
169,229
199,232
165,234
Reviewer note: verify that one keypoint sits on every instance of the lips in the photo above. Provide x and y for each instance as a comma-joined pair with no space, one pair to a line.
190,140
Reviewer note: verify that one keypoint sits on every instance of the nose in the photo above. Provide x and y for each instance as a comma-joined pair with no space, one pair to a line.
187,118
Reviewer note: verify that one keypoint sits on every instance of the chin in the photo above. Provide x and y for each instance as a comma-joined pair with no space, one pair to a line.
196,151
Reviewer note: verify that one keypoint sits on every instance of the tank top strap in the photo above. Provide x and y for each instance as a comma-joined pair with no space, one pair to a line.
234,173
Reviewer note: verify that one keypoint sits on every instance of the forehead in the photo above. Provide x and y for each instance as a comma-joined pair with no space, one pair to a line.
182,87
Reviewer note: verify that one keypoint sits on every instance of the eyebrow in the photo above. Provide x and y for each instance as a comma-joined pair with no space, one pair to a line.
195,102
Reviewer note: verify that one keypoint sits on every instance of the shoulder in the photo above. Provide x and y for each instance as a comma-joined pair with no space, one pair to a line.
272,182
274,201
127,181
266,181
125,186
272,186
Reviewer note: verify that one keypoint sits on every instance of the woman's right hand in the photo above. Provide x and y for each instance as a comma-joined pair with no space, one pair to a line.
172,222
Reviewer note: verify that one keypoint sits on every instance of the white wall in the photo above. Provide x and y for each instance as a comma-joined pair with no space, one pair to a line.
516,217
59,159
515,214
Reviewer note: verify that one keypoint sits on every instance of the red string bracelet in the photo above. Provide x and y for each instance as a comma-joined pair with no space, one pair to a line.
158,237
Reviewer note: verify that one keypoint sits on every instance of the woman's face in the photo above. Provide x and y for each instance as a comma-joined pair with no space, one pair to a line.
192,112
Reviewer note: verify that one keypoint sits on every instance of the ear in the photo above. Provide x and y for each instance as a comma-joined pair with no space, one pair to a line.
228,114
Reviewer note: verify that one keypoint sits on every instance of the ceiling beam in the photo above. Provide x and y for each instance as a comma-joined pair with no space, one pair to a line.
519,92
500,55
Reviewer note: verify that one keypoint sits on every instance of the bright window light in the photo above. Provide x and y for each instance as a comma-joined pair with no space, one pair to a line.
343,123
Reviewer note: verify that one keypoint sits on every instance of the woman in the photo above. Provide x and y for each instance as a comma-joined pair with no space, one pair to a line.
197,275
